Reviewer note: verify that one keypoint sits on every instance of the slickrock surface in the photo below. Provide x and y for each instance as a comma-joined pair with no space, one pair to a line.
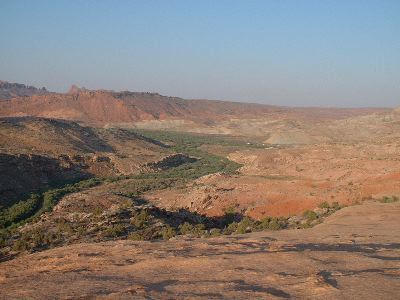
354,254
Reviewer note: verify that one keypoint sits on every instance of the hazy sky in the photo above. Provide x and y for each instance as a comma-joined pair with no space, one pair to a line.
327,53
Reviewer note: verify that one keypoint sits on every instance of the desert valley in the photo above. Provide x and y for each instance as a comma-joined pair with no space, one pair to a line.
108,194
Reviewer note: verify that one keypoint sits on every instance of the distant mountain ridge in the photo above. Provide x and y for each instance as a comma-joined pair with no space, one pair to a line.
104,107
12,90
101,107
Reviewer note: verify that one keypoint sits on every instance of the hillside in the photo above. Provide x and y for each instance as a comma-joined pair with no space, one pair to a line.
37,153
89,171
102,108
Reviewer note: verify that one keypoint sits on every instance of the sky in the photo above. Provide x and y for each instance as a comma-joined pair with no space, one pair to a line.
285,52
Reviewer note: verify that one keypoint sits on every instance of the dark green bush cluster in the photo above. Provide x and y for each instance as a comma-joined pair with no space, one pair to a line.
50,198
140,220
180,140
26,210
168,232
37,238
20,211
188,144
272,223
196,230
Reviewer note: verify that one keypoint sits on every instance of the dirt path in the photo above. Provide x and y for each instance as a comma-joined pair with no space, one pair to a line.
355,254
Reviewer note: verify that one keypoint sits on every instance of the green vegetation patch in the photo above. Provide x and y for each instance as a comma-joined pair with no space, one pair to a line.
38,203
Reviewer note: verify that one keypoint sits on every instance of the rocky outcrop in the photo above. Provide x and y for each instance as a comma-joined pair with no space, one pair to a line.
11,90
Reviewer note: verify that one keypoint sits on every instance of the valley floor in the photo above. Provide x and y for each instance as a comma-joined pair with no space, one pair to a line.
354,254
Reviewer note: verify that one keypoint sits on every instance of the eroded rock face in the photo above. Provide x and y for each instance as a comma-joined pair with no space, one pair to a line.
352,255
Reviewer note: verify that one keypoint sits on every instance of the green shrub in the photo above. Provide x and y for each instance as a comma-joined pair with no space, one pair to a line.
140,220
231,228
115,231
274,224
20,245
97,211
135,236
20,211
4,236
310,215
187,228
324,205
168,232
245,225
214,232
65,227
264,223
387,199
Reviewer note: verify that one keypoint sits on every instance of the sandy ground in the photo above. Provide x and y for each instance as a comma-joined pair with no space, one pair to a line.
354,254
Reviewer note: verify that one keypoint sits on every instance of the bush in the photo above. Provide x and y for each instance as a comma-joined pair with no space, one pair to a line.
20,211
214,232
4,236
310,215
245,225
115,231
270,223
168,232
264,223
274,224
187,228
135,236
140,220
231,228
324,205
387,199
65,227
20,245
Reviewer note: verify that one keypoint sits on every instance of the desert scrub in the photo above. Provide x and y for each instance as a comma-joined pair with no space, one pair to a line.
324,204
64,227
214,232
196,230
115,231
245,225
231,228
135,236
271,223
38,238
310,215
140,220
388,199
168,232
